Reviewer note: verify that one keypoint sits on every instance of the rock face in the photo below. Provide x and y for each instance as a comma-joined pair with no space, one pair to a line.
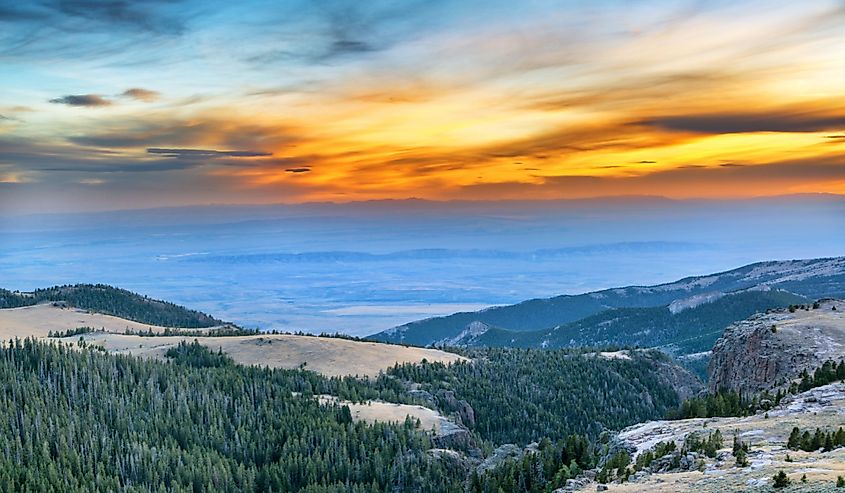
679,378
463,412
767,351
455,437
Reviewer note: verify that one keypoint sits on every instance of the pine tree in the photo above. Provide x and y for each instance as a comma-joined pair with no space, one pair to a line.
781,480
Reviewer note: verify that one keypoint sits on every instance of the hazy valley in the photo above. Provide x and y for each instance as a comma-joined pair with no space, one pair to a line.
363,268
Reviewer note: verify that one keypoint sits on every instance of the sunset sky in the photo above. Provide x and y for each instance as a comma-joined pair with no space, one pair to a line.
107,105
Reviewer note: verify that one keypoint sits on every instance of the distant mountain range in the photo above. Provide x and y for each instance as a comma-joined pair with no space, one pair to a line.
435,254
682,317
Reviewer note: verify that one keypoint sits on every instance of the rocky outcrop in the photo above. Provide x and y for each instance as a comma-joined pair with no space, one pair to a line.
455,437
499,456
768,351
460,409
466,337
766,434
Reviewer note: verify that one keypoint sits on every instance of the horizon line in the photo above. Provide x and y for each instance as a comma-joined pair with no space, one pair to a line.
418,200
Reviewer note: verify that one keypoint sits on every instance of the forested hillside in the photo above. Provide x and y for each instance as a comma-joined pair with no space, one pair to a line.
687,331
82,421
85,422
523,395
112,301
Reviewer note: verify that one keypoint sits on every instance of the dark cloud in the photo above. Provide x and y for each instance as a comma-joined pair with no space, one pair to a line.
90,100
6,119
140,94
298,170
131,134
96,100
33,155
725,123
347,46
204,153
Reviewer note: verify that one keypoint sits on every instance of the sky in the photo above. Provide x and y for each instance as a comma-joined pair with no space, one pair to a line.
126,104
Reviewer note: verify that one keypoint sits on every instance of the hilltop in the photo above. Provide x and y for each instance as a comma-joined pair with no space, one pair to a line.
109,300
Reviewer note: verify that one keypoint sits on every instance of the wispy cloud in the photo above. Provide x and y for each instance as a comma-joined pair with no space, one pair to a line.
723,180
140,94
205,153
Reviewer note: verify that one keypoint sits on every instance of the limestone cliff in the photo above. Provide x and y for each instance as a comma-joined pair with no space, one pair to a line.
769,350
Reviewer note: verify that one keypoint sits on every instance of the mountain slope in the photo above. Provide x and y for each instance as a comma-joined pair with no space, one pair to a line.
687,331
814,278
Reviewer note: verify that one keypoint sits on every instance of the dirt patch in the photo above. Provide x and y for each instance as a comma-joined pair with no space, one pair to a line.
388,412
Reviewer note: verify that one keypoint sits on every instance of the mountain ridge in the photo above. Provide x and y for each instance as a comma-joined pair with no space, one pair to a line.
807,278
